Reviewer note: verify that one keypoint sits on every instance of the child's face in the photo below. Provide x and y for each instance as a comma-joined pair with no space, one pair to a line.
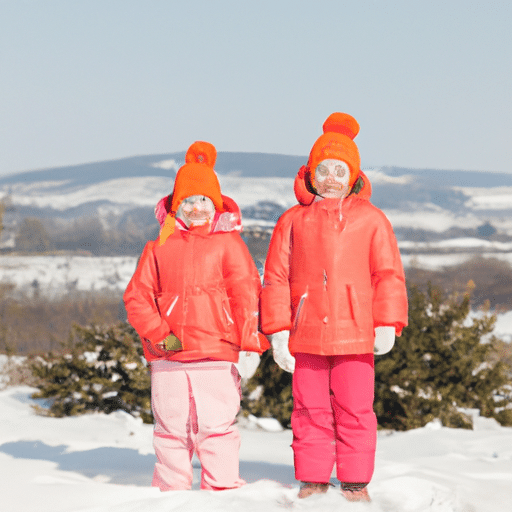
331,178
197,210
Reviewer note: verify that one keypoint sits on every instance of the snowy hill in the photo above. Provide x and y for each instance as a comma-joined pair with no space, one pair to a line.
425,206
100,463
460,198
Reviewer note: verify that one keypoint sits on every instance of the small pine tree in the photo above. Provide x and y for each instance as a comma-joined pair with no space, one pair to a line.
104,370
268,393
443,362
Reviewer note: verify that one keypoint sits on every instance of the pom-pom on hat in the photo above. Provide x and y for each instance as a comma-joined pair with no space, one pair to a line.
337,143
196,177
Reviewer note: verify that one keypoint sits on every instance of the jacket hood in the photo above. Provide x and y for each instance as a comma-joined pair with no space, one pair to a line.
229,219
305,194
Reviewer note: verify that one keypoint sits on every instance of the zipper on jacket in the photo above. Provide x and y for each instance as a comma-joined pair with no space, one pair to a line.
326,318
299,308
171,307
354,303
230,320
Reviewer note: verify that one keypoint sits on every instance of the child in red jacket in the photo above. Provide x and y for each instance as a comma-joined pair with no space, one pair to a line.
333,293
193,300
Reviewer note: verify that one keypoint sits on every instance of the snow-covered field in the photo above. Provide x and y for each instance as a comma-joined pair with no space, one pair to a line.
58,274
435,261
100,463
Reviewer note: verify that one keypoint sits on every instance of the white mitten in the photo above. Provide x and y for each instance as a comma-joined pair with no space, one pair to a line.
280,351
247,364
384,339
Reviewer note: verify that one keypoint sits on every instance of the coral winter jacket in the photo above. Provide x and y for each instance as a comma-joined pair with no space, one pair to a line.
202,287
333,273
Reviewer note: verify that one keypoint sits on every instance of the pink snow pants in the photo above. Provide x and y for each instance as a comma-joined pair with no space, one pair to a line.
333,420
195,406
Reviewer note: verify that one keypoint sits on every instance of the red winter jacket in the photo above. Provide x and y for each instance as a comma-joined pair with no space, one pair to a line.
331,281
202,287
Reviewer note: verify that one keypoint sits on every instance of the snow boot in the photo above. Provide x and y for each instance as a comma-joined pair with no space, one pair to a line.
309,488
355,491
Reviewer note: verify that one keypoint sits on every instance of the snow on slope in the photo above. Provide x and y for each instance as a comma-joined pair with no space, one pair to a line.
100,463
55,275
411,204
457,244
447,253
146,191
376,176
137,191
431,218
492,198
432,261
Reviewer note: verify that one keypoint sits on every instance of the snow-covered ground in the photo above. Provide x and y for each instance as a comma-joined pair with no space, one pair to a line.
56,275
100,463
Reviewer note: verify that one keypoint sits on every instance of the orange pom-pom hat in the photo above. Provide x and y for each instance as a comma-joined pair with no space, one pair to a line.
196,177
337,143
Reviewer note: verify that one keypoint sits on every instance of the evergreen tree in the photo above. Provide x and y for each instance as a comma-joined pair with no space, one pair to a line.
443,362
104,370
268,393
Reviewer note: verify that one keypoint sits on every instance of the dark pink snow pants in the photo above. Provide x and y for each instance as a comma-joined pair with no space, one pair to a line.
333,420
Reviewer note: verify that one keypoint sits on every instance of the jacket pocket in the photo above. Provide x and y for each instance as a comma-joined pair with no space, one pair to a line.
171,307
360,307
299,311
171,310
228,316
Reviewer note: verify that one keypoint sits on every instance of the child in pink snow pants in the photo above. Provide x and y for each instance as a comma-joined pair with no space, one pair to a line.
333,295
193,300
195,406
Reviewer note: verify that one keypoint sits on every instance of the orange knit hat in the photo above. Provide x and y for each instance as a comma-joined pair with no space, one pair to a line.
337,143
196,177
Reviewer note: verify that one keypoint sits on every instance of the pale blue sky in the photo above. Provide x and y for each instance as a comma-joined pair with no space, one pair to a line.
430,82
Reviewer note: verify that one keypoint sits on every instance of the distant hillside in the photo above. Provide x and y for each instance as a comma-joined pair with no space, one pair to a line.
116,199
455,178
242,164
238,164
